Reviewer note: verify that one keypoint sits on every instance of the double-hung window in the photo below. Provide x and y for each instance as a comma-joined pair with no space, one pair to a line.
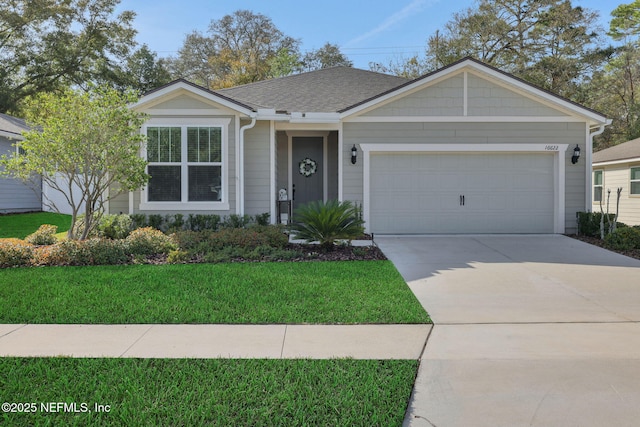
597,185
187,167
634,187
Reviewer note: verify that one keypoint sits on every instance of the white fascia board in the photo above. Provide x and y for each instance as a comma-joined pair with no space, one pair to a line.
270,114
616,162
11,135
299,117
159,95
464,119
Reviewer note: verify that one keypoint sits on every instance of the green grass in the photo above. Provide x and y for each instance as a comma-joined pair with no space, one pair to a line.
182,392
21,225
236,293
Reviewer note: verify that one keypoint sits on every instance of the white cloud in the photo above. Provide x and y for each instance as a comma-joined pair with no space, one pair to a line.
409,10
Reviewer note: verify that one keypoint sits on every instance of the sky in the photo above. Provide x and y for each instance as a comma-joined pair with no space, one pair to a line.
365,30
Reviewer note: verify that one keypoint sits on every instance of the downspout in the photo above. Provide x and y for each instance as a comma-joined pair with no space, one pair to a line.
241,166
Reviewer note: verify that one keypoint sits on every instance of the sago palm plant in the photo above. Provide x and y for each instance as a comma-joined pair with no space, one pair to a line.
327,222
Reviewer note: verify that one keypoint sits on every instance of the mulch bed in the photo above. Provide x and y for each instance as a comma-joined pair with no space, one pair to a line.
633,253
339,253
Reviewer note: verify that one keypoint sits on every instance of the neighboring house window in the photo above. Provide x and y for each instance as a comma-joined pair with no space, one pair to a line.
635,181
597,185
185,164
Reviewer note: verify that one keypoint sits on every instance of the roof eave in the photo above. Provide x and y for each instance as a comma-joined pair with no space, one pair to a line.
197,90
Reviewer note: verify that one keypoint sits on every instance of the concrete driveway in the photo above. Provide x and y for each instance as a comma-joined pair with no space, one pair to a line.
529,331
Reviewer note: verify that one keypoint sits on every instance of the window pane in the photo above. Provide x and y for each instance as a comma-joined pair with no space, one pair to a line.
204,144
192,144
205,183
216,145
635,187
152,144
597,178
164,145
176,145
164,185
597,194
635,173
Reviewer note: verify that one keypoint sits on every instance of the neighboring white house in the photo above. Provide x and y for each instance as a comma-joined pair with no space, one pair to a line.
465,149
15,195
618,167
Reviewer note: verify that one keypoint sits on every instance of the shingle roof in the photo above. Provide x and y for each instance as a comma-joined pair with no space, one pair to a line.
626,150
323,91
12,124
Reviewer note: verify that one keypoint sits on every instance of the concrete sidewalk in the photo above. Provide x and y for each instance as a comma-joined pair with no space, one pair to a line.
215,341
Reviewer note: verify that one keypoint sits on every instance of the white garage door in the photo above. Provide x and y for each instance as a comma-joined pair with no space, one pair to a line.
414,192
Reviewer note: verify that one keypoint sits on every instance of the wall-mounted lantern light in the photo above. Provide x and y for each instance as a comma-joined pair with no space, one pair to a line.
576,155
354,154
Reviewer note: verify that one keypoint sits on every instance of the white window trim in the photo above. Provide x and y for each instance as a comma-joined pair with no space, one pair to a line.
185,205
632,181
594,185
558,151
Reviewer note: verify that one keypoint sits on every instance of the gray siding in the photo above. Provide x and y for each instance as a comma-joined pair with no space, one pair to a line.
442,99
489,99
470,133
257,163
15,195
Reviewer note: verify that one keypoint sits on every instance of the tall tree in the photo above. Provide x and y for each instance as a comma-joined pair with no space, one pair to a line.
238,48
142,71
47,45
87,140
615,89
327,56
548,42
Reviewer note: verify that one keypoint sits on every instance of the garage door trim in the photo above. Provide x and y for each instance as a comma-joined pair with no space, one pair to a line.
559,168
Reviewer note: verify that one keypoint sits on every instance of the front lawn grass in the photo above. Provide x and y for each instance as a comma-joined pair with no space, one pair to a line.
21,225
236,293
184,392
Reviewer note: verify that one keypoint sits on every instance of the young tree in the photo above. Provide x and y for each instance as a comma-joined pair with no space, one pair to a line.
88,140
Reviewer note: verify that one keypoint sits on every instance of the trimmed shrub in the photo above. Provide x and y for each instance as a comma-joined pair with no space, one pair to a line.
589,223
106,252
623,239
82,252
44,235
138,221
114,226
204,242
177,257
66,252
15,253
236,221
202,222
149,241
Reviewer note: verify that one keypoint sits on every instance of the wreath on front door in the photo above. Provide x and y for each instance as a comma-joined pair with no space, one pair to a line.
307,167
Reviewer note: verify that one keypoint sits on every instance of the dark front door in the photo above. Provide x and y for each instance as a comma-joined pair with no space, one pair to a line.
307,164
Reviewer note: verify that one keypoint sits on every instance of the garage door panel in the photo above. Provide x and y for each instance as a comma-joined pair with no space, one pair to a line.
420,193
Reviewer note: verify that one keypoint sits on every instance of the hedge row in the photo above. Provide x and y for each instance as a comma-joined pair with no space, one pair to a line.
96,251
257,242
